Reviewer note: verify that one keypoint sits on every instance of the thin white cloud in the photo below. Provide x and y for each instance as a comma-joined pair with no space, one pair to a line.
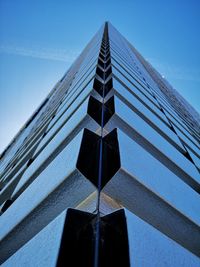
41,53
176,72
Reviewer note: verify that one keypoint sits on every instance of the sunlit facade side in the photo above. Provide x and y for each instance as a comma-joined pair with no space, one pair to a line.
107,170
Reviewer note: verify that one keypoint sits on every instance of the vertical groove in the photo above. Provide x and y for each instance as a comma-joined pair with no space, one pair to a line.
97,230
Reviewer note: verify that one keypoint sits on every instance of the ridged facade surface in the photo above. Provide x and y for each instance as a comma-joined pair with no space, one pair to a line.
106,172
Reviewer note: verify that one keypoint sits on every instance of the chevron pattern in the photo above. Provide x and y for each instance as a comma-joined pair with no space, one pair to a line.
106,172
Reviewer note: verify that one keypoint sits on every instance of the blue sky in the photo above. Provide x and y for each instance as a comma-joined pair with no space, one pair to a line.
40,39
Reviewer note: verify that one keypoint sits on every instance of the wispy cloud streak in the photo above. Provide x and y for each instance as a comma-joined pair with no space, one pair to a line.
41,53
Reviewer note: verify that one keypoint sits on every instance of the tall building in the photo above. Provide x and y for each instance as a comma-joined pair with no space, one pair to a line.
106,171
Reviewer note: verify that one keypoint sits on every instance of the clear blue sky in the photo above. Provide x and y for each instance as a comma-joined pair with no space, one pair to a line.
39,39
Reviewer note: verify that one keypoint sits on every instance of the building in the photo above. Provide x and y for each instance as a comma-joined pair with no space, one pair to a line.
106,171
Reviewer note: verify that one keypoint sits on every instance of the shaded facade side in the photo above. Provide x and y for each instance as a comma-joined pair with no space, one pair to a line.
106,171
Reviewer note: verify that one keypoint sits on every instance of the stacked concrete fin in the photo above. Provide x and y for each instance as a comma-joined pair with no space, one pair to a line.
105,172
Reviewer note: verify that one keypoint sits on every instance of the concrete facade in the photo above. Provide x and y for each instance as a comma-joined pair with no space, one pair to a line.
107,170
